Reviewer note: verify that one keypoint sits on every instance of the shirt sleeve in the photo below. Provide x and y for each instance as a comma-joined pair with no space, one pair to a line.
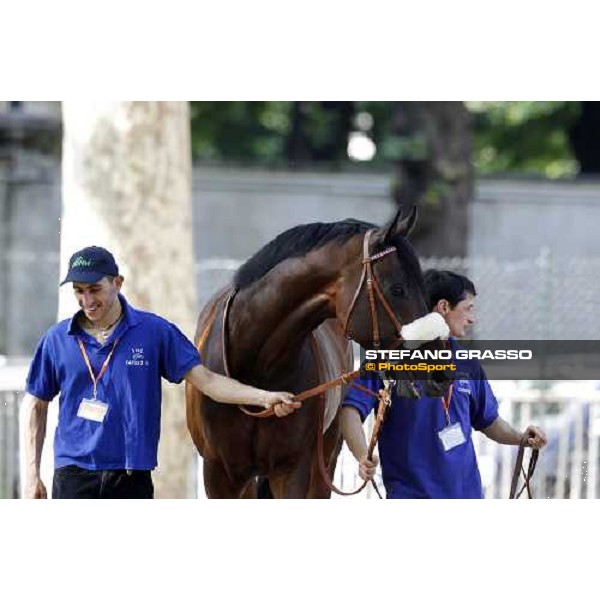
178,354
42,379
360,400
484,409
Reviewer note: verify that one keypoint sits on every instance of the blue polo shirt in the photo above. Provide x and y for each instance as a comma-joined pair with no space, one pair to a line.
148,348
414,463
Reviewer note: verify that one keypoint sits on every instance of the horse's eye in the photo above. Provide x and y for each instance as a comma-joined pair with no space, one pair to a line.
398,290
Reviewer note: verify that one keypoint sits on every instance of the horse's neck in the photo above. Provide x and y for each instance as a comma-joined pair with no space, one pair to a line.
272,318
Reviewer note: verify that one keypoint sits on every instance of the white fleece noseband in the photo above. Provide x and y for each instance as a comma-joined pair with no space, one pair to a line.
424,329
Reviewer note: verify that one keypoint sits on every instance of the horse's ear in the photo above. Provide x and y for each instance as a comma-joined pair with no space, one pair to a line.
400,226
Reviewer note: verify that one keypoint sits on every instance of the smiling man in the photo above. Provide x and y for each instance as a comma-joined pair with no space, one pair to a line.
106,362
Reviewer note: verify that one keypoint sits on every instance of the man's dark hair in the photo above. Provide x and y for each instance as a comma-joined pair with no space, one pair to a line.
446,285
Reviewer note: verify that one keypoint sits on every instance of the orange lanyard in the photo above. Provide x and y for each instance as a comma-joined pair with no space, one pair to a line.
96,379
446,399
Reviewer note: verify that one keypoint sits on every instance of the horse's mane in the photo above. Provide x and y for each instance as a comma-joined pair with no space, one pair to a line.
295,242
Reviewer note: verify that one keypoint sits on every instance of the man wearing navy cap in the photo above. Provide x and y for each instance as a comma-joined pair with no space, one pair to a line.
107,362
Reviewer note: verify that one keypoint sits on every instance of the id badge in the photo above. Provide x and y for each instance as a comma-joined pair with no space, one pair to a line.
92,410
452,436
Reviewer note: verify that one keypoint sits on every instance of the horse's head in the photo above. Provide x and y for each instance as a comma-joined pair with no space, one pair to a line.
389,266
382,291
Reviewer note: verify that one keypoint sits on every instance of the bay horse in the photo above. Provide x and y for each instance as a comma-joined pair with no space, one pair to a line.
284,325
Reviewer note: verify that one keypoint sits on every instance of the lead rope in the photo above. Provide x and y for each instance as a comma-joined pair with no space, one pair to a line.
514,495
384,402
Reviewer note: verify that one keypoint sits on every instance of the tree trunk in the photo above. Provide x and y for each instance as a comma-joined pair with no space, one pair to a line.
297,144
127,186
584,136
432,149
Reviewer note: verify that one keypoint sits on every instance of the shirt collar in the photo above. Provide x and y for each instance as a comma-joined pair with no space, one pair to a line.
130,316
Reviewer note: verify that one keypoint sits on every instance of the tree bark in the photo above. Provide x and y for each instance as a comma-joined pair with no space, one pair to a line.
127,187
434,170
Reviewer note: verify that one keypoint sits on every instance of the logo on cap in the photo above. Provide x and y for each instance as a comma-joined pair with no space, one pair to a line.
80,262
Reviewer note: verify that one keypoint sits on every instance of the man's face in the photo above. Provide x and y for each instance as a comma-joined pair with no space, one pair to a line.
96,299
462,317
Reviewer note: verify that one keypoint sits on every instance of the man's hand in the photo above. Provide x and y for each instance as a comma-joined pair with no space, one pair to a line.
367,468
534,437
36,490
229,391
283,403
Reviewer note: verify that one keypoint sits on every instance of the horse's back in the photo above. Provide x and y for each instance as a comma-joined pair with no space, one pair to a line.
208,321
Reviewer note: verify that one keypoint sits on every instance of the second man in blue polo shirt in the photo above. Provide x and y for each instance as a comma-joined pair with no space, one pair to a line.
419,459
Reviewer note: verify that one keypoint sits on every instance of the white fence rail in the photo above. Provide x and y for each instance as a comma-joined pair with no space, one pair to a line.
9,445
568,467
12,379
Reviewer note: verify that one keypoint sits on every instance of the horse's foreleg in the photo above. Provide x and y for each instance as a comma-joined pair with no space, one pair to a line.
294,484
218,484
250,491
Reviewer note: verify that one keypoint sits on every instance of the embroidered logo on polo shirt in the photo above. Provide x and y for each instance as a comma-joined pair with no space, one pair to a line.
137,358
462,385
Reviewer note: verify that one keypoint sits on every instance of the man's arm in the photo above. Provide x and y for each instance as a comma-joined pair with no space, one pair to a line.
354,436
502,432
229,391
36,417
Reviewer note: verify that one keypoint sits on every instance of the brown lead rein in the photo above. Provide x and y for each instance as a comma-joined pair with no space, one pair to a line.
526,475
345,378
384,402
374,293
310,393
269,412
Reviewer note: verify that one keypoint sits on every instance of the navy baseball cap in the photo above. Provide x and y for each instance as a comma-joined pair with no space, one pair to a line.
90,265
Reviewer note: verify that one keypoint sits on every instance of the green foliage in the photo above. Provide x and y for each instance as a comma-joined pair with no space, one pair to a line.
508,137
269,132
524,137
403,148
239,131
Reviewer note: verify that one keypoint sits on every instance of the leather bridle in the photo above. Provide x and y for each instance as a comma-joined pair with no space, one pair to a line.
374,293
373,290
